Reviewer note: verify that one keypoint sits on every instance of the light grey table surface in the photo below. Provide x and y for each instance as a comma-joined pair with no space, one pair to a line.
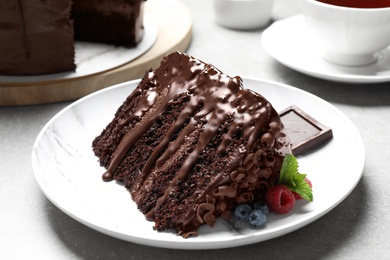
31,227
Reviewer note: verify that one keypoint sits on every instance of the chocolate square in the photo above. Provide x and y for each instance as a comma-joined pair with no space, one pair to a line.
305,132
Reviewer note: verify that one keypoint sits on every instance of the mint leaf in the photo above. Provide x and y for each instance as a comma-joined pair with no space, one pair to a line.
289,169
304,190
294,180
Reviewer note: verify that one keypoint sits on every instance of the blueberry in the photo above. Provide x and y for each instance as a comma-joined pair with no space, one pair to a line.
242,212
262,206
257,217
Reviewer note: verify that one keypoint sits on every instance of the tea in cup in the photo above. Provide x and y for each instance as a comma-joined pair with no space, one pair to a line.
350,32
358,3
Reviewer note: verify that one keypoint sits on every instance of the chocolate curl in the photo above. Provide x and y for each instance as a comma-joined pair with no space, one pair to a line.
237,176
265,184
269,161
221,191
252,176
222,205
267,141
244,184
210,199
203,209
264,173
258,157
274,129
248,162
246,197
209,218
188,234
232,190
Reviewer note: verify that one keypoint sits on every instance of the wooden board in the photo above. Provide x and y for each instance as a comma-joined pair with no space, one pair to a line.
174,23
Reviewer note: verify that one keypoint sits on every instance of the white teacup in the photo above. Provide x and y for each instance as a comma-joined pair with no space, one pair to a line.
348,35
243,14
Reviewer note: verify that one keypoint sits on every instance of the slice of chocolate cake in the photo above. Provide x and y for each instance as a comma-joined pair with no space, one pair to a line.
190,143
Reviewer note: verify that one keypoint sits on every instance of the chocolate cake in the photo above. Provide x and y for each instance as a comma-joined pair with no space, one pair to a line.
115,21
190,143
37,36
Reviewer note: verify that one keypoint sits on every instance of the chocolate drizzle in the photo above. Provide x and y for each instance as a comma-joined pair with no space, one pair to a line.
213,100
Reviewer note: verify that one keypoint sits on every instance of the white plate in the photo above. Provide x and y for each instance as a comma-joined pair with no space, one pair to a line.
290,43
69,175
92,58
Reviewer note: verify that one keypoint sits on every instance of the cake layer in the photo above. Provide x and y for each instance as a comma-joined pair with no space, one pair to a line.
190,143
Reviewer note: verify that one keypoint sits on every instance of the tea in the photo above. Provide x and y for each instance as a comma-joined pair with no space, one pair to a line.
358,3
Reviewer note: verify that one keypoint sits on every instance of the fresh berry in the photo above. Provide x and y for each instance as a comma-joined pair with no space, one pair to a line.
242,212
296,195
257,217
262,206
280,199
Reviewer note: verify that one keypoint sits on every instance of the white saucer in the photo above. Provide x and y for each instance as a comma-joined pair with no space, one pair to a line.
289,42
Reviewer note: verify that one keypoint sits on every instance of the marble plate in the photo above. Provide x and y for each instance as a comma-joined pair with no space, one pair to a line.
92,58
290,43
69,175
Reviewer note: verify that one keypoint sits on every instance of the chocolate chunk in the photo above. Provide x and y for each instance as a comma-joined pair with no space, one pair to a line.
304,131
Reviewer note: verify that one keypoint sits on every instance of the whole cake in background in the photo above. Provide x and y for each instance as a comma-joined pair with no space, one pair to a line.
37,36
190,144
117,22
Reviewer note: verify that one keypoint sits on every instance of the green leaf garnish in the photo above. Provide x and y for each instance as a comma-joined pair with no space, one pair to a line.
294,180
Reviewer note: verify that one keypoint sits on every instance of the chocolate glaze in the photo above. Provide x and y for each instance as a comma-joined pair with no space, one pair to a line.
251,111
214,97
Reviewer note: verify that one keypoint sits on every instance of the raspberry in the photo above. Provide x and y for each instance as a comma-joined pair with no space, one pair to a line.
296,195
280,199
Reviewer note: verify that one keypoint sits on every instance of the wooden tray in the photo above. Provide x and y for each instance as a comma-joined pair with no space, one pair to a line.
174,22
